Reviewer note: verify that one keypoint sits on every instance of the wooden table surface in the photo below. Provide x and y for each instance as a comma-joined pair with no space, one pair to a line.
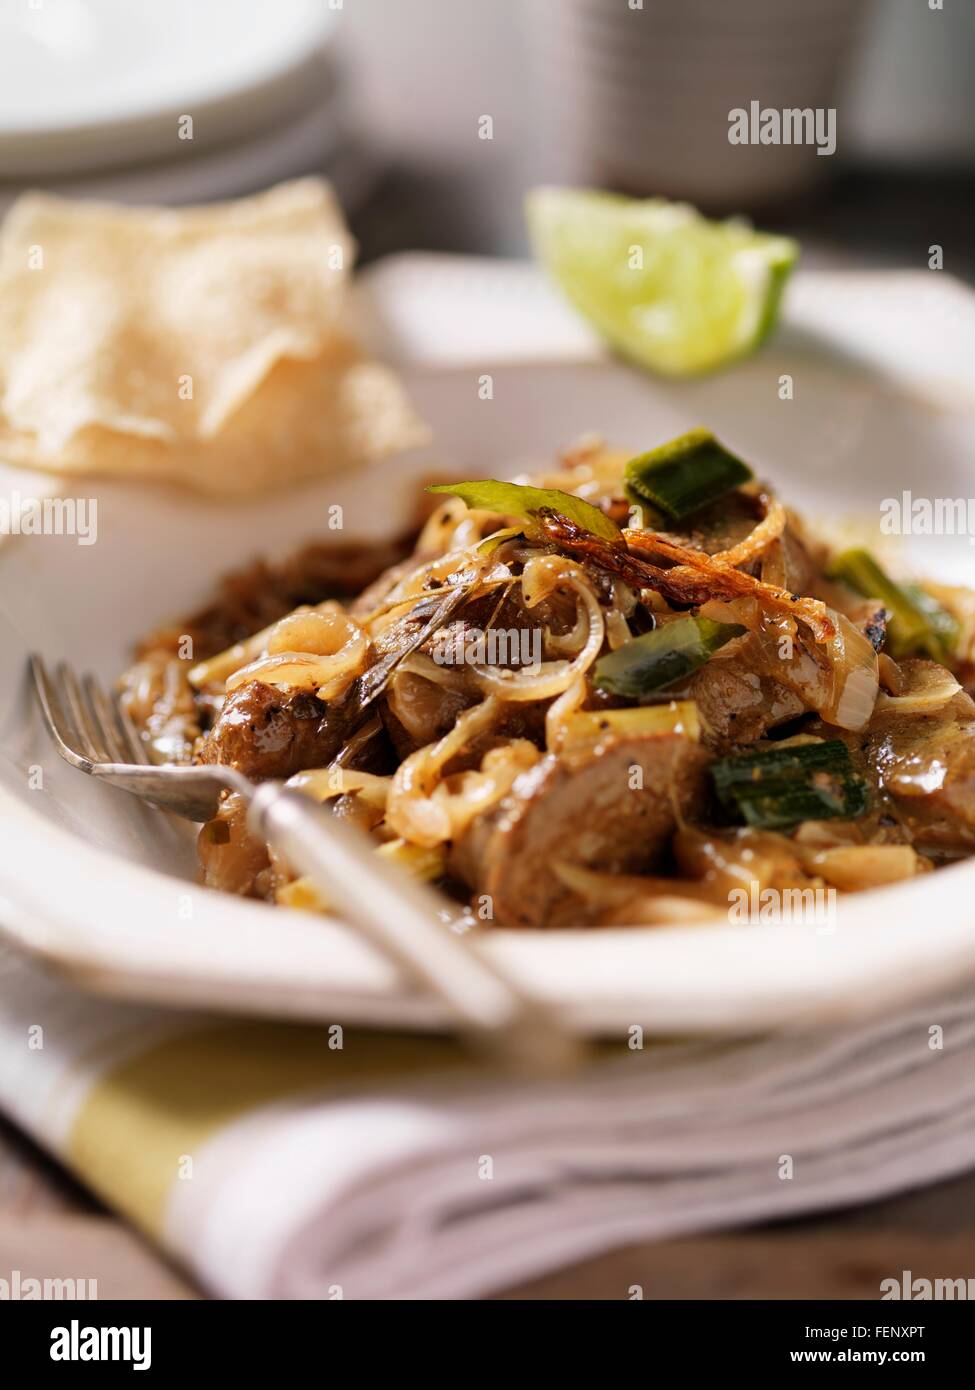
50,1227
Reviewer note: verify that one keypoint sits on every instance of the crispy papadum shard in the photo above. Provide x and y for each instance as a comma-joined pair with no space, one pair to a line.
206,345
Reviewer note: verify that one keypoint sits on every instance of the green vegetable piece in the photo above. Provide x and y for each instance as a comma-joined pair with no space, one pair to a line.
915,621
779,787
683,475
659,658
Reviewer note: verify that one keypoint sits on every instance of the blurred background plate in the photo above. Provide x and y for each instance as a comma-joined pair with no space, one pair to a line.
317,139
90,84
98,92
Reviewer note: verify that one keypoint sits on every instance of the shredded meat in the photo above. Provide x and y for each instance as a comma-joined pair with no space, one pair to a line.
250,599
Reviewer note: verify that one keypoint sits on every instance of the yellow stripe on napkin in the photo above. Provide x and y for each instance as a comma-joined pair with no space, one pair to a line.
149,1111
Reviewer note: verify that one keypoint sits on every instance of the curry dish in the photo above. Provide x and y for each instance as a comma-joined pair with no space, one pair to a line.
608,694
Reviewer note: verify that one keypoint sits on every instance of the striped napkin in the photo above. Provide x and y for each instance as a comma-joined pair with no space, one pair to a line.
282,1161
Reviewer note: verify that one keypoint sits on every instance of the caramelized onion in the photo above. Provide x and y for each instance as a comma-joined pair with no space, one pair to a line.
540,577
855,677
925,687
310,650
428,810
322,783
769,529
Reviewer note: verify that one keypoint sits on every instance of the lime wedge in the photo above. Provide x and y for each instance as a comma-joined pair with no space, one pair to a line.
665,286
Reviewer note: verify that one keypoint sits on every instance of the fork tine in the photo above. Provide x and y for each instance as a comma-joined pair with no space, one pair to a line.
131,742
58,725
103,720
68,683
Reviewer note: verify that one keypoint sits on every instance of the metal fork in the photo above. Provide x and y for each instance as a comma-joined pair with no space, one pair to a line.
398,915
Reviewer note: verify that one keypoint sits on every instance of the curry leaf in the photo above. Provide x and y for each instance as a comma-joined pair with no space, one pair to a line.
520,500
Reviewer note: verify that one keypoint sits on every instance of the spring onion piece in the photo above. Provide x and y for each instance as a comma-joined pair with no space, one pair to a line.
782,786
687,473
594,727
916,621
422,862
520,500
943,624
657,659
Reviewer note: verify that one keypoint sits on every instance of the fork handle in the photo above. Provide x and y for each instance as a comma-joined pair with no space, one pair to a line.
401,917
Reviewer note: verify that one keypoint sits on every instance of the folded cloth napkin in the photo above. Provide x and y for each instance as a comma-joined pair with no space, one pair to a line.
278,1161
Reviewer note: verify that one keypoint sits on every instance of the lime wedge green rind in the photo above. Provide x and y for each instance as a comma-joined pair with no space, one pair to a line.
666,287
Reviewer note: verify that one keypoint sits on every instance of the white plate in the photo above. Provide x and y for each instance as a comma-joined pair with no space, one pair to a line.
91,83
315,141
101,888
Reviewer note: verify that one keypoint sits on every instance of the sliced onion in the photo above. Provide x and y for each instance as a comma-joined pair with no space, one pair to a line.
540,577
428,811
891,675
856,677
319,649
336,651
663,910
322,783
419,664
852,868
924,688
560,711
219,667
303,894
425,864
596,728
630,900
769,529
599,886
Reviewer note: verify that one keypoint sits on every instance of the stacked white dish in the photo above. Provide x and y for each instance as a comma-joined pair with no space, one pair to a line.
169,101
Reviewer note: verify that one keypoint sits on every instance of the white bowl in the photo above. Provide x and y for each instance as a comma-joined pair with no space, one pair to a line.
102,888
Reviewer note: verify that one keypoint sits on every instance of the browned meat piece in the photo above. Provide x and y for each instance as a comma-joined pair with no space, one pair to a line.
580,807
720,525
264,732
926,763
736,702
737,693
921,765
231,858
799,569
